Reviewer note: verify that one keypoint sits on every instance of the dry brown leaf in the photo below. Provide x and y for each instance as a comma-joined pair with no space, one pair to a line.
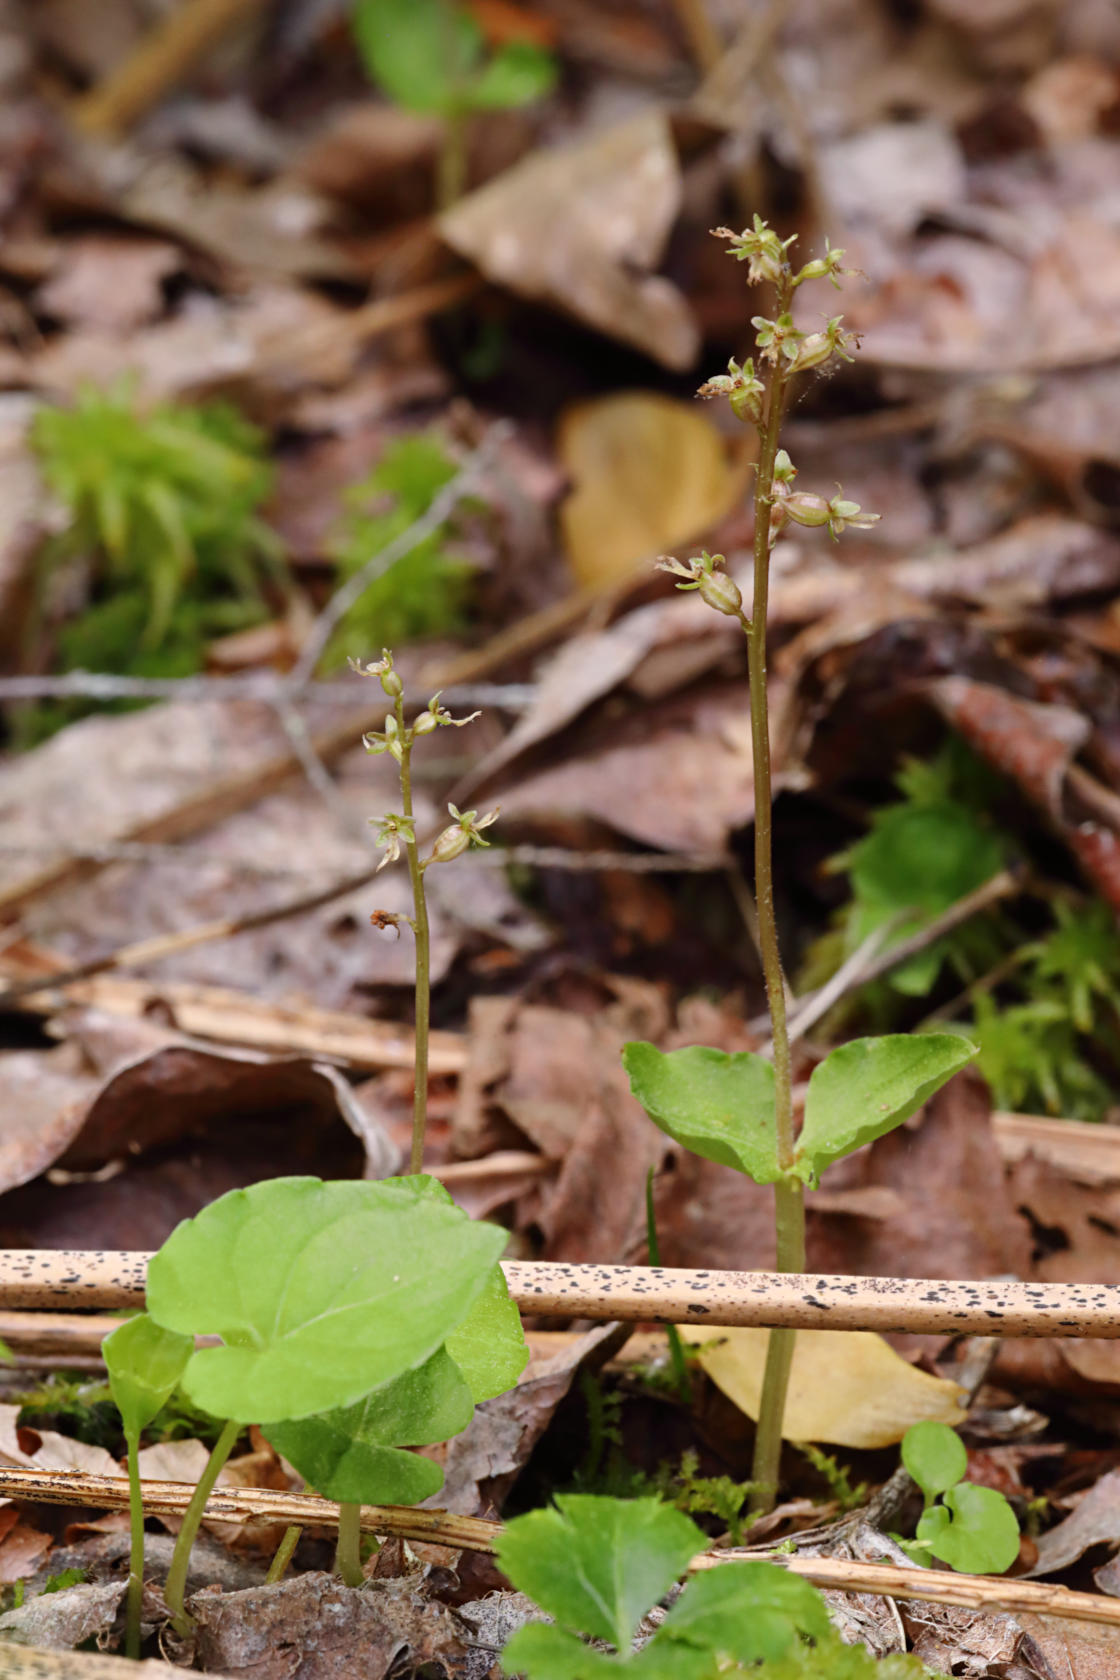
575,226
1095,1521
846,1387
681,779
115,284
648,473
314,1625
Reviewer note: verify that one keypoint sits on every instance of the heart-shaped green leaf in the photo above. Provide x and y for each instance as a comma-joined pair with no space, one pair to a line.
718,1104
866,1088
934,1455
145,1363
975,1530
595,1564
321,1292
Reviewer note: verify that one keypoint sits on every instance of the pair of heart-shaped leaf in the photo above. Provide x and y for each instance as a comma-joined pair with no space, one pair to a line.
357,1317
721,1105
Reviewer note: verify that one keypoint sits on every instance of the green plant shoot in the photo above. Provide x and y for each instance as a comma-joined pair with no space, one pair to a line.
430,55
738,1110
426,592
166,503
145,1363
321,1294
396,830
972,1529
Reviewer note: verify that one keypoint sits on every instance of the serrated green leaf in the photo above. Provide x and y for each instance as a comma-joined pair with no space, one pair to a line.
320,1292
145,1363
719,1105
545,1652
749,1612
974,1530
595,1564
868,1087
517,74
934,1455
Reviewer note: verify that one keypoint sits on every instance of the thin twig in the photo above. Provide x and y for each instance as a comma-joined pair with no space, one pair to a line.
861,969
241,1505
269,687
113,1280
162,945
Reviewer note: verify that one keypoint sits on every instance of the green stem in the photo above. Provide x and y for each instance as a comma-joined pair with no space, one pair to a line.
136,1557
789,1200
282,1556
174,1591
423,954
451,168
348,1557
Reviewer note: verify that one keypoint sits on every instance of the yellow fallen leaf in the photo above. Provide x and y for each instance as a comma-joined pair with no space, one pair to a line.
847,1387
648,473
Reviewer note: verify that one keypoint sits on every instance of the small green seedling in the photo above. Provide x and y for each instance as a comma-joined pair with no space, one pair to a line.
430,56
399,830
322,1294
145,1364
972,1529
164,504
738,1109
426,592
353,1455
598,1566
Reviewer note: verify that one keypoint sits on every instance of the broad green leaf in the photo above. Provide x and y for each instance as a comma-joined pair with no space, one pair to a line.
321,1292
423,53
351,1454
548,1653
489,1345
934,1455
868,1087
516,75
750,1612
974,1530
145,1363
595,1564
717,1104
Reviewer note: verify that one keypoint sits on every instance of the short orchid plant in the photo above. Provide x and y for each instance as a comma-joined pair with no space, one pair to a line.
397,831
738,1109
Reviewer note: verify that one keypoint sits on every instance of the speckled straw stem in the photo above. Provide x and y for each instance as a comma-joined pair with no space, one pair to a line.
69,1279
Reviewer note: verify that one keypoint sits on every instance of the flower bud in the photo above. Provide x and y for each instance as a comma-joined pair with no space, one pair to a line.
812,352
807,509
452,843
722,593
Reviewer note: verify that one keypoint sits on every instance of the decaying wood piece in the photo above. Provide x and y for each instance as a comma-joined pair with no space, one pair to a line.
242,1505
227,1016
111,1280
